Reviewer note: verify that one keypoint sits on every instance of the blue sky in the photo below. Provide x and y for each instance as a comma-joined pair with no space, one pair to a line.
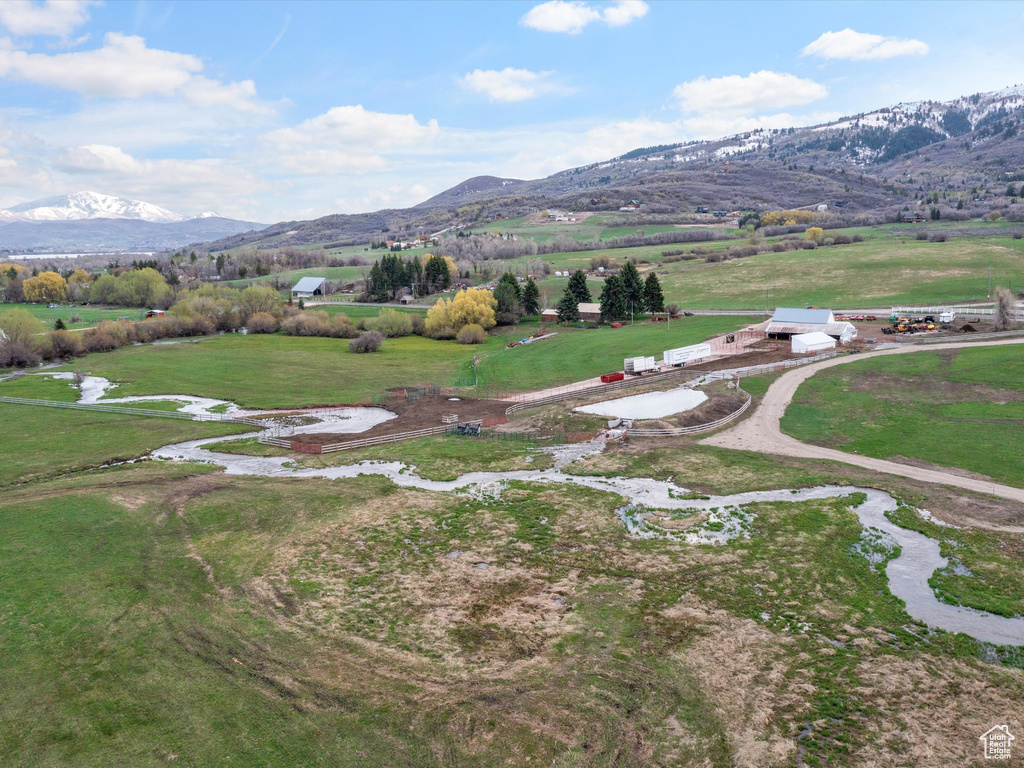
270,111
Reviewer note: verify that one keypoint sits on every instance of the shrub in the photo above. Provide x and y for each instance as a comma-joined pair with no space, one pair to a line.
16,354
857,238
418,325
922,235
938,237
262,322
65,344
391,323
841,239
96,341
672,309
370,341
319,323
471,334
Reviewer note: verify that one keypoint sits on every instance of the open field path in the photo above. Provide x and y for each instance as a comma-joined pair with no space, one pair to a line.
760,432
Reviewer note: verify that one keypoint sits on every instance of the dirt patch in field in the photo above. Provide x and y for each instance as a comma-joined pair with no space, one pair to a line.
421,413
940,708
742,667
893,387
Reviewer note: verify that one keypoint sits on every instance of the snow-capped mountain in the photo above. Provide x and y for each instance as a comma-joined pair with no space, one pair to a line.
91,205
89,221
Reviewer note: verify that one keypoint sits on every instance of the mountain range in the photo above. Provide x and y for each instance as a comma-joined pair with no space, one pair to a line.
90,221
894,157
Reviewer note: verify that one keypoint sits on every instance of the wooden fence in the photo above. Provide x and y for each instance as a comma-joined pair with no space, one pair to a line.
695,374
148,412
694,430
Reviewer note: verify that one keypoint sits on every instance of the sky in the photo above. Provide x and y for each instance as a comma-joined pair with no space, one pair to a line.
271,111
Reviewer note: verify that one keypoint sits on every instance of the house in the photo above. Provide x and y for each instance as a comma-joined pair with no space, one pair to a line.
308,287
911,218
788,322
589,312
815,341
154,313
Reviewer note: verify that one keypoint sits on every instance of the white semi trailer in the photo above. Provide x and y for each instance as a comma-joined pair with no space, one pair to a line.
684,355
638,365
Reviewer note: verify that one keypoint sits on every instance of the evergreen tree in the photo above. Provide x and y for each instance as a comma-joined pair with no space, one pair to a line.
632,287
377,284
654,299
578,287
613,299
568,309
59,325
509,310
531,297
510,280
415,274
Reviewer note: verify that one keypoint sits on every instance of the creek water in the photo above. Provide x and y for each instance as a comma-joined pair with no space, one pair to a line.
908,573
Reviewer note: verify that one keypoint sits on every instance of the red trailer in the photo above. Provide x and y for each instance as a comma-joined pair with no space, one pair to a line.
608,378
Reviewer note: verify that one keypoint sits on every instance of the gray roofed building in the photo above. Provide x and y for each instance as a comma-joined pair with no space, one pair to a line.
792,315
310,286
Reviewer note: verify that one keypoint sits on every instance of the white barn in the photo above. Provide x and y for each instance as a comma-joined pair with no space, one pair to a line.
788,322
309,286
817,341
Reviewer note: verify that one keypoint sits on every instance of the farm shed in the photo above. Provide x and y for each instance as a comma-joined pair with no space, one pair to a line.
309,286
589,312
788,322
154,313
817,341
549,315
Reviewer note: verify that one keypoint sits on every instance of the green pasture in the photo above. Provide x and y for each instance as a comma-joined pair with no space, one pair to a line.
38,442
90,315
163,613
271,371
961,409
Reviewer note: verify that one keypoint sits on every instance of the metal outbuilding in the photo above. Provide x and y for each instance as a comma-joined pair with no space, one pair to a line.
309,286
817,341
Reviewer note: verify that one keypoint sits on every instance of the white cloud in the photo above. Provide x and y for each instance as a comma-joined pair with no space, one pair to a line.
126,68
347,139
757,91
508,84
181,185
571,16
624,12
54,17
862,46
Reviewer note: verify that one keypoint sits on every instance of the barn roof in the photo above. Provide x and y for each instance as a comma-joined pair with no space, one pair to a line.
835,330
308,284
791,315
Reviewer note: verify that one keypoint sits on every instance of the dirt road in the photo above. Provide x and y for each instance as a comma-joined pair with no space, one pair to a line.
760,432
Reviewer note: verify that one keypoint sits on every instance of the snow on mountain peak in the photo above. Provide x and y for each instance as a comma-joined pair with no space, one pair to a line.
88,205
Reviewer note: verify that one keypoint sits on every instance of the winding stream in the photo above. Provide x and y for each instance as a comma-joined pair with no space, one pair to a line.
724,517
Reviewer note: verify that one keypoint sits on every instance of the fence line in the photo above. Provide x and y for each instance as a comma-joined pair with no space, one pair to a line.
149,412
701,377
694,430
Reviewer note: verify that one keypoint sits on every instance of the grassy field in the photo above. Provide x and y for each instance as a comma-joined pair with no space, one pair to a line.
41,442
280,371
434,458
169,613
579,354
960,409
90,315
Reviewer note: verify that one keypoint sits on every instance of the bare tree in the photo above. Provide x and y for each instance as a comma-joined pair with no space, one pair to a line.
1004,309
